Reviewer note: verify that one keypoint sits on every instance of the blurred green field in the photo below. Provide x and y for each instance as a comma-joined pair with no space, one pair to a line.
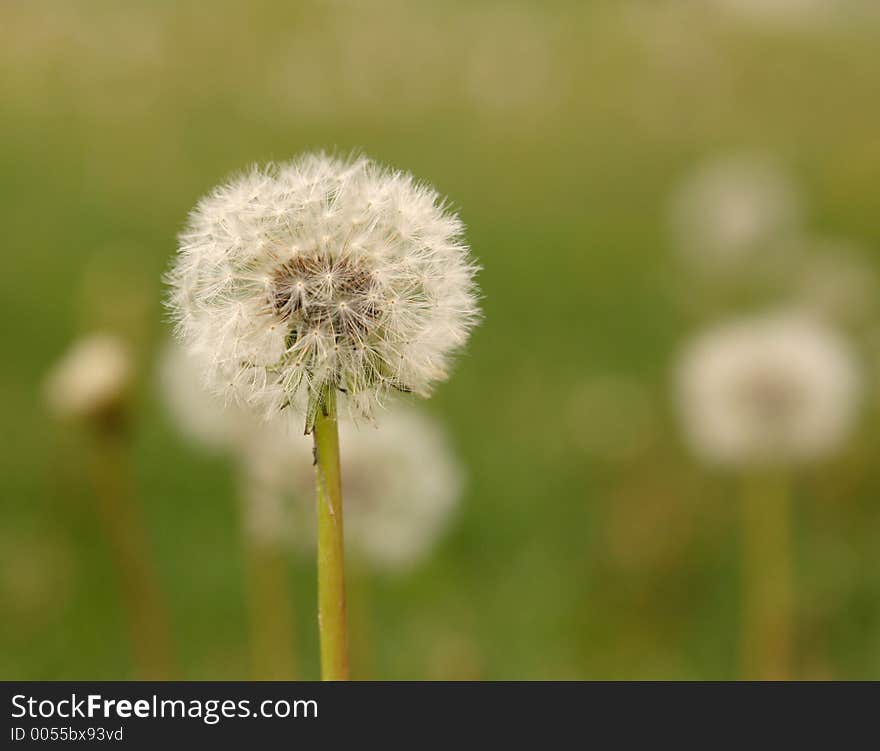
559,130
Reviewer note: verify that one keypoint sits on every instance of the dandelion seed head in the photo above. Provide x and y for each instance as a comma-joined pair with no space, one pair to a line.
323,273
775,389
92,379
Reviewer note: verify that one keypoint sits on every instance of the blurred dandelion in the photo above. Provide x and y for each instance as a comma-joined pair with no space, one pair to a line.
262,451
792,12
761,395
402,486
92,385
513,68
317,280
767,390
92,381
837,282
735,213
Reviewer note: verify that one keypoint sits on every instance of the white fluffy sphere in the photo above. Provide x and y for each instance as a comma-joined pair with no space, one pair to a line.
319,274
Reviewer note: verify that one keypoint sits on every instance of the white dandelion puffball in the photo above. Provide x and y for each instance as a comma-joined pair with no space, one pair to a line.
766,390
402,484
731,209
91,379
323,273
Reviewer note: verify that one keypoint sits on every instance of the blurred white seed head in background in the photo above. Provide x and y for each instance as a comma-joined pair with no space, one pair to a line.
733,211
263,450
402,484
401,481
92,379
794,13
201,416
323,273
513,69
835,280
265,460
771,389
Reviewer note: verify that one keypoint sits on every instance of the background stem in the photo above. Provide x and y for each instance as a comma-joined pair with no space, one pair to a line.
767,638
331,576
121,519
271,614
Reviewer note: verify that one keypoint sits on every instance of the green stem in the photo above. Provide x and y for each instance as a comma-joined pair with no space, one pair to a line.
271,609
767,638
270,613
331,568
121,518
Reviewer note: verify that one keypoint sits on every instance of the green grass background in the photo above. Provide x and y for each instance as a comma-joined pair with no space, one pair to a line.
558,129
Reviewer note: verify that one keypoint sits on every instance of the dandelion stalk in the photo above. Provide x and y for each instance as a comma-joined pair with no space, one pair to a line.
767,638
331,553
91,384
764,395
403,485
124,528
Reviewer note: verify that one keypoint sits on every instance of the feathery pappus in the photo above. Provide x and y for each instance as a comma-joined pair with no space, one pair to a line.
323,273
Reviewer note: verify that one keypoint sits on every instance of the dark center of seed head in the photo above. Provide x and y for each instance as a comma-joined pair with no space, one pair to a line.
769,397
311,291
